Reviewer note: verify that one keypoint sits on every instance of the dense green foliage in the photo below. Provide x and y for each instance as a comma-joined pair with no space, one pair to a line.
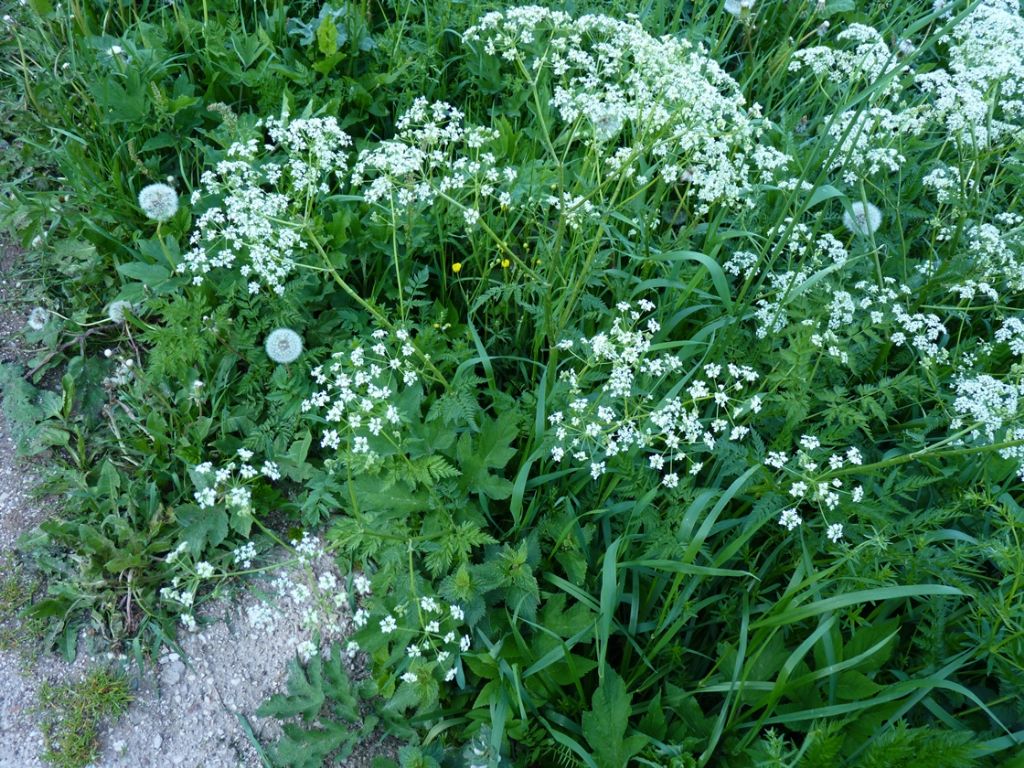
664,450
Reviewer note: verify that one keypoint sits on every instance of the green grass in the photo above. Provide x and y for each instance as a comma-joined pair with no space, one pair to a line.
74,713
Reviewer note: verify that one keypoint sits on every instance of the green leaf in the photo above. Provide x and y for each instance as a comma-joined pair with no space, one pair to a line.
491,449
854,685
202,528
868,637
653,723
327,36
305,696
150,274
792,615
604,726
838,6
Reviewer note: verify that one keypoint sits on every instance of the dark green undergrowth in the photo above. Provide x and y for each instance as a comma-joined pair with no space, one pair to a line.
648,452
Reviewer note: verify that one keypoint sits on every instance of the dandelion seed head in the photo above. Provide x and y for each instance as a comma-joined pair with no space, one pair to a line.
739,8
283,345
116,311
38,318
158,201
862,218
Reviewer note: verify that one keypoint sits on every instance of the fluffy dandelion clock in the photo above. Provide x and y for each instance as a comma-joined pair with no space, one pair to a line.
862,218
739,8
116,311
158,201
37,318
283,345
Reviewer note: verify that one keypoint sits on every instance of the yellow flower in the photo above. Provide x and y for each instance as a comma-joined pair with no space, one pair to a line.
505,263
457,267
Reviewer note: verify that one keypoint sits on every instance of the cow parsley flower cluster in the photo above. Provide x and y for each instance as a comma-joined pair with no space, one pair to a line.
360,391
862,59
884,310
186,583
979,98
432,633
314,588
806,252
948,184
987,404
991,409
1011,333
994,255
869,141
260,197
616,400
230,484
315,150
804,478
434,156
653,107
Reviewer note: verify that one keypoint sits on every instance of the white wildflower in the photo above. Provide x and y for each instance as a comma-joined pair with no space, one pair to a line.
789,519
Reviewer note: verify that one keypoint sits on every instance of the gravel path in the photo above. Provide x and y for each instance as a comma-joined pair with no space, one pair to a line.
186,710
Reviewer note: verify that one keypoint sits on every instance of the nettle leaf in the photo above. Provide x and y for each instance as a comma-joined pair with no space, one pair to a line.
202,528
604,726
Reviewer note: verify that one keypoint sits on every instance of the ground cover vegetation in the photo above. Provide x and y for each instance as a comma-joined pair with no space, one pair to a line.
640,383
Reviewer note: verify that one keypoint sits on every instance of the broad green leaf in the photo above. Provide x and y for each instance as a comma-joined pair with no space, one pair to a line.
605,725
202,528
327,36
150,274
653,722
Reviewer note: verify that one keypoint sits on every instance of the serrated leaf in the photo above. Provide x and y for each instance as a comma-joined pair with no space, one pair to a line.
604,726
653,722
491,449
305,696
202,528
